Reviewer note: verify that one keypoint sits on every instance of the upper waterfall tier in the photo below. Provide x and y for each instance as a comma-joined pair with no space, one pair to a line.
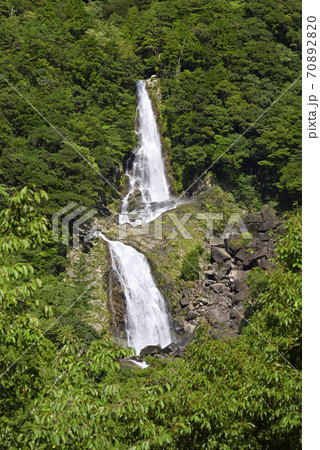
147,174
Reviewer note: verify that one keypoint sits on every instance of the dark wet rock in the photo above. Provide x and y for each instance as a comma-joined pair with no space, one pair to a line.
151,350
192,315
134,200
171,348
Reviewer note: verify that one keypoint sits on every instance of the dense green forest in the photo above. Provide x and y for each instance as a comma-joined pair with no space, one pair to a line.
221,65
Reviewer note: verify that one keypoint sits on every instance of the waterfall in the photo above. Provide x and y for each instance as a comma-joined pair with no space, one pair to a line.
148,185
147,320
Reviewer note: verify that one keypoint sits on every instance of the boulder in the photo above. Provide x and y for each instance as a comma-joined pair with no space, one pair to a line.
264,237
192,315
227,266
240,297
252,258
151,350
281,229
220,287
234,243
134,200
189,328
205,301
171,348
236,275
265,264
217,314
184,301
253,219
228,296
219,254
240,255
215,298
234,314
269,219
267,225
186,293
217,242
239,286
267,213
213,274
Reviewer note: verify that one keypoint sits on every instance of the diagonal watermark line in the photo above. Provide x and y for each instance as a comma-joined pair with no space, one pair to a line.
245,131
246,320
58,132
58,318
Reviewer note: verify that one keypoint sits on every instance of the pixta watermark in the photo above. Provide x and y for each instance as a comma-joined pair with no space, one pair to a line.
73,220
67,216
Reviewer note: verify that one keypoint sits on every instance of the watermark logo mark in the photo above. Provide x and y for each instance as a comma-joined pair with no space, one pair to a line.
76,224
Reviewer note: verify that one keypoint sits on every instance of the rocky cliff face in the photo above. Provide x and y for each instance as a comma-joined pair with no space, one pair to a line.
219,295
218,298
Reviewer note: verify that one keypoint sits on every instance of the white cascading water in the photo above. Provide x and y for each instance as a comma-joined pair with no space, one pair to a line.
147,320
147,174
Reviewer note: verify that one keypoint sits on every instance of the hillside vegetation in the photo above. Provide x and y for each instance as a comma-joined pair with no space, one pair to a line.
68,101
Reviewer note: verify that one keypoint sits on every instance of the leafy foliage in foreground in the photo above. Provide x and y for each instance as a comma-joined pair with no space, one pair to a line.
21,228
239,393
